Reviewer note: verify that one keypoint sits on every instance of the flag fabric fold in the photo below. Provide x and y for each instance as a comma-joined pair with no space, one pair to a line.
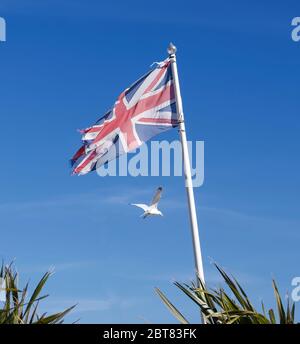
145,109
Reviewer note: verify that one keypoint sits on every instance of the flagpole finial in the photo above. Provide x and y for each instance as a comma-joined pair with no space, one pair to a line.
171,49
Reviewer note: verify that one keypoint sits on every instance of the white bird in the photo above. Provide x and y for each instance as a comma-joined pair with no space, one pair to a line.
152,208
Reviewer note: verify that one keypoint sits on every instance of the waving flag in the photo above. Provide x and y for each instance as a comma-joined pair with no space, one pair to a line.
142,111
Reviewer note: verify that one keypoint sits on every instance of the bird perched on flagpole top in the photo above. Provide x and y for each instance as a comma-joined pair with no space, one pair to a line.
151,209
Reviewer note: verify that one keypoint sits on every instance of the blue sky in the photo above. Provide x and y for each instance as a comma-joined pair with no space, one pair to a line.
63,65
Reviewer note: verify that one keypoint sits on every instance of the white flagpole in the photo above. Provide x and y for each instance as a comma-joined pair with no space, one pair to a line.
187,169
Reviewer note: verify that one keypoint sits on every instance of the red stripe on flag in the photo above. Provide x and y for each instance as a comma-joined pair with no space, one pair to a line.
85,162
158,120
161,72
153,101
79,153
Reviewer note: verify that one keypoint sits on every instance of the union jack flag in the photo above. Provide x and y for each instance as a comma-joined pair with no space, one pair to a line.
142,111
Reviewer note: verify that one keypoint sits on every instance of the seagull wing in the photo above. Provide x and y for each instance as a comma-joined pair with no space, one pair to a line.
145,207
156,197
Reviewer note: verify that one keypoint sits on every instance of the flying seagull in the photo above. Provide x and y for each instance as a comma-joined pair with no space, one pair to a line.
152,208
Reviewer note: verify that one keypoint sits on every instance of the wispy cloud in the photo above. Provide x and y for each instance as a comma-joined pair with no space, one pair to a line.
89,199
160,277
212,277
88,304
63,266
238,220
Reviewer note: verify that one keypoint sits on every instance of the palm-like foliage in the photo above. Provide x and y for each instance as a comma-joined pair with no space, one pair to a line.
18,307
218,307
